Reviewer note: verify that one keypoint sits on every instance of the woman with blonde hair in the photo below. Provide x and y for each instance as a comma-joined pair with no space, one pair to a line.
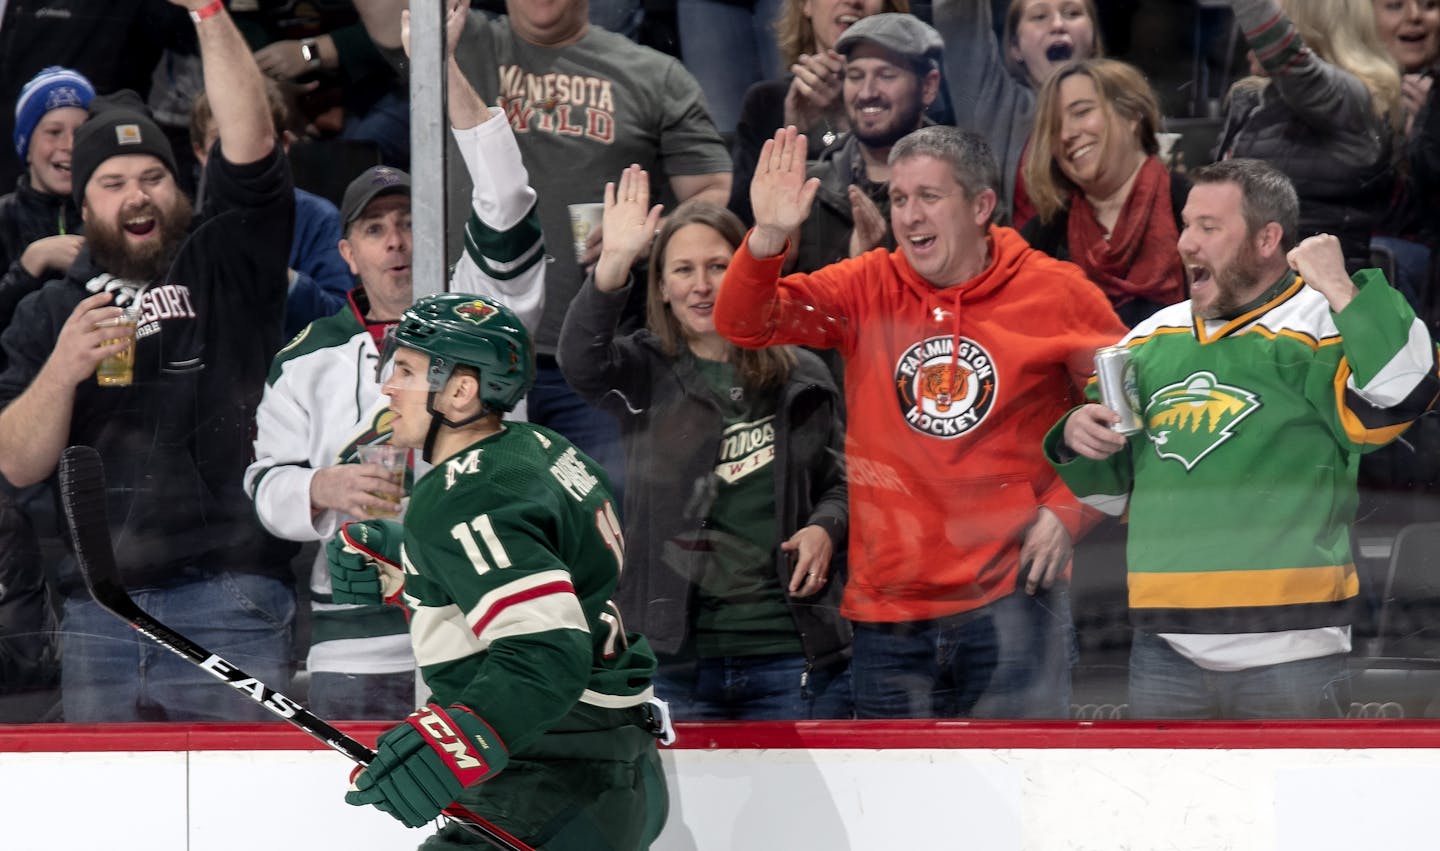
993,84
1103,199
735,508
1410,31
808,96
1323,107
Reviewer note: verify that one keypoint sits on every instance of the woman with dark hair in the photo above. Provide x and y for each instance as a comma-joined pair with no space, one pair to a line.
735,509
1102,197
993,85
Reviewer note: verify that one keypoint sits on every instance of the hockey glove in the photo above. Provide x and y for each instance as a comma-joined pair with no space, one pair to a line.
423,764
364,561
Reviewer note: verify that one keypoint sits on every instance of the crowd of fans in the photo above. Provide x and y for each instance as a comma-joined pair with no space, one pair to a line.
722,342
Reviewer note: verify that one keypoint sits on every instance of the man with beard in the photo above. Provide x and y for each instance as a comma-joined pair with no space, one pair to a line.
211,295
892,74
1256,398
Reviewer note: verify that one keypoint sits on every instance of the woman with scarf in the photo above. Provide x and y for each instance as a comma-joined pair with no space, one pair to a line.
1103,199
993,84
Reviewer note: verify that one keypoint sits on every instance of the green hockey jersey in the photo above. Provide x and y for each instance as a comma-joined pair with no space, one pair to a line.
512,550
1241,485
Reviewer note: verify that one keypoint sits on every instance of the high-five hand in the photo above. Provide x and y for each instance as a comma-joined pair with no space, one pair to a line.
780,194
455,11
626,229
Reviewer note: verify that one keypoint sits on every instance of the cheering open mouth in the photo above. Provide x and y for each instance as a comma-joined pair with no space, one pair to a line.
1060,51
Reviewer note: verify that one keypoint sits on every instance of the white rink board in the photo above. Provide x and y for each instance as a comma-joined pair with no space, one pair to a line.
755,800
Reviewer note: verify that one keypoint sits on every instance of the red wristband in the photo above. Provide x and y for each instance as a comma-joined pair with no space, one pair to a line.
209,10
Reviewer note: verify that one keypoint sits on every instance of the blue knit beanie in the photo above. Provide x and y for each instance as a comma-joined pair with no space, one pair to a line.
52,88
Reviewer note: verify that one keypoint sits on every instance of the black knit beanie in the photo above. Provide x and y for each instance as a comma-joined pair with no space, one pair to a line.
118,124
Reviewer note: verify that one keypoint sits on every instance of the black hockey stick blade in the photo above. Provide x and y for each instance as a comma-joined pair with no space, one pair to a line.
82,497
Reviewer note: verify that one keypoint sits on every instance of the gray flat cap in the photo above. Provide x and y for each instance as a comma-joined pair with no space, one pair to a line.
901,34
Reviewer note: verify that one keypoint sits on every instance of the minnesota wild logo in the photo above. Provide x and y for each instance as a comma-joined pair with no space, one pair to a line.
1188,419
476,311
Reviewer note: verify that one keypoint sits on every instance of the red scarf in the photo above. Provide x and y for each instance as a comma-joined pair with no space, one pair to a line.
1139,260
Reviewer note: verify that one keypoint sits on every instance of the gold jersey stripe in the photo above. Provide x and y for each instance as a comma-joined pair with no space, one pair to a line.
1354,429
1223,589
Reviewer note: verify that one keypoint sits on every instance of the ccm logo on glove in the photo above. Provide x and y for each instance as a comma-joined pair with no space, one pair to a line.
465,762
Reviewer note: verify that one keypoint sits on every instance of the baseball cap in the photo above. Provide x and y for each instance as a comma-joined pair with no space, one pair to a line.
371,184
901,34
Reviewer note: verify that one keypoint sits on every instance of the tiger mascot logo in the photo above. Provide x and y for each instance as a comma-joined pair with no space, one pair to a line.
944,391
939,383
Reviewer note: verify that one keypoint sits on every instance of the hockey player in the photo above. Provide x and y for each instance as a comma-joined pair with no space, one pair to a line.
322,399
1256,397
511,551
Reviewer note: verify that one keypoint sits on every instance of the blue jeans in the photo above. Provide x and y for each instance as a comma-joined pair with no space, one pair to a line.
728,48
110,672
362,697
1010,659
1164,684
554,405
752,688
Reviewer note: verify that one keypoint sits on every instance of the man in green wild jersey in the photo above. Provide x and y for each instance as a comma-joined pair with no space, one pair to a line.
538,719
1257,397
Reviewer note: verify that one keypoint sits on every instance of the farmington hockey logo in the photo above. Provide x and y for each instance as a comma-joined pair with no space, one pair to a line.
942,392
476,311
1187,420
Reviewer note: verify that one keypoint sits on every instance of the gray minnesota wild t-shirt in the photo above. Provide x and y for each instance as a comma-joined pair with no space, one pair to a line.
581,114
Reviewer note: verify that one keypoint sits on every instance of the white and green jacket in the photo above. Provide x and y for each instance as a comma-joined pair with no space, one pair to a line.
322,398
1241,486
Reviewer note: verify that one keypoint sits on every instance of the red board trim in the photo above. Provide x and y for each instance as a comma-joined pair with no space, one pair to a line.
815,735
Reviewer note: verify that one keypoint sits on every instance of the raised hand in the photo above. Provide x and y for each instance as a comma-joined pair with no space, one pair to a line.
870,226
1321,264
628,225
455,12
780,194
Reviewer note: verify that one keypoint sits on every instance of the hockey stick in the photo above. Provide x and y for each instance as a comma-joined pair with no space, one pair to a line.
82,494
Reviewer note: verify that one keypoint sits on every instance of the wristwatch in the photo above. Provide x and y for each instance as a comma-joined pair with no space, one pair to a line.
310,52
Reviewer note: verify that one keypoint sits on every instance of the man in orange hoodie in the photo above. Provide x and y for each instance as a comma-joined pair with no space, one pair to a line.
960,348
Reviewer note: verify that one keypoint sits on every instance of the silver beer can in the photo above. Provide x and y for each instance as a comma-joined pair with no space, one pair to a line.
1118,390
